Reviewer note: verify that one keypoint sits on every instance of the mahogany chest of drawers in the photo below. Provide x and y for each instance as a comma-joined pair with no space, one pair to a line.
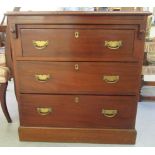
77,74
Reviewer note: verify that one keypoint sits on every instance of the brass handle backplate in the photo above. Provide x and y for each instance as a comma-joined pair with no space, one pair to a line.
109,113
40,44
76,35
113,45
111,78
44,111
42,77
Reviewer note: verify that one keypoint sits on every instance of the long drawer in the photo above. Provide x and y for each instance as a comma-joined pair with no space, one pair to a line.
72,44
76,78
80,111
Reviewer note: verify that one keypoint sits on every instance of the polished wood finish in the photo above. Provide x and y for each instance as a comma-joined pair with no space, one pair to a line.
78,135
75,13
147,98
8,53
88,79
90,43
3,88
61,87
148,83
2,35
86,111
3,28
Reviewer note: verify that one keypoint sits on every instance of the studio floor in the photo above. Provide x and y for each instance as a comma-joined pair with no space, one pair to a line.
145,126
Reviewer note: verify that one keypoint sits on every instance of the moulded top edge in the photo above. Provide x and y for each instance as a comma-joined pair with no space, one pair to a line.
38,13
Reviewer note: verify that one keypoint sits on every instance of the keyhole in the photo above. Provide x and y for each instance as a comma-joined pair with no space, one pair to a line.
76,99
76,34
76,67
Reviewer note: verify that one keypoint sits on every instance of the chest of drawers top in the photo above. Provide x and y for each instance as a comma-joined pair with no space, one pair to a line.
76,17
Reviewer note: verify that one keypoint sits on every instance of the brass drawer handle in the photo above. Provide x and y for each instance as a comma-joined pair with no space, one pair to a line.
109,113
111,79
113,45
42,77
40,44
76,35
44,111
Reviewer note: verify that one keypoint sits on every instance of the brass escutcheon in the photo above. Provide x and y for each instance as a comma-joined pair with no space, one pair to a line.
76,99
76,66
76,35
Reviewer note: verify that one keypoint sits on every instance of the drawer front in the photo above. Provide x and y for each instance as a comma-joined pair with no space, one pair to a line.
81,77
74,44
78,111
